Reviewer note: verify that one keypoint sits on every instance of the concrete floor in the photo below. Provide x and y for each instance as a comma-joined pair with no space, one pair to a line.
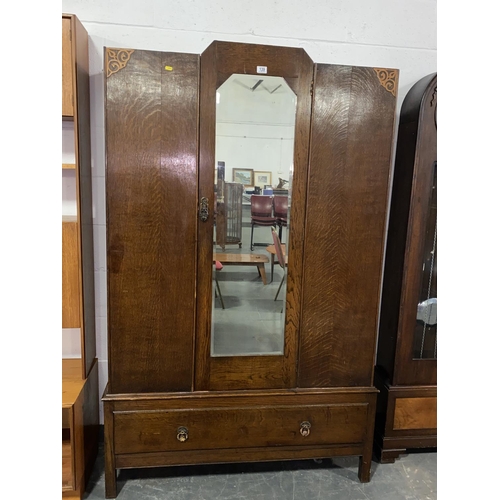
411,477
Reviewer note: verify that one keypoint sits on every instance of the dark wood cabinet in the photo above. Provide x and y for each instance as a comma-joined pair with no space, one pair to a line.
170,400
406,371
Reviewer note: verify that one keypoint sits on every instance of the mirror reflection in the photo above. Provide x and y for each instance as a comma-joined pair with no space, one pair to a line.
425,333
255,125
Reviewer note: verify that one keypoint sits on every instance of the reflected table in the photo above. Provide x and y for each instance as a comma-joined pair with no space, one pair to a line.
238,259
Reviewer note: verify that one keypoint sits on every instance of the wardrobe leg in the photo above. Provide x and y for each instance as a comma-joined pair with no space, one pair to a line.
109,455
365,461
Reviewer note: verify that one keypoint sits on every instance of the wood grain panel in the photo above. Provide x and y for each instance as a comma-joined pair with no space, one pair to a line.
70,276
350,156
67,69
244,58
151,188
415,413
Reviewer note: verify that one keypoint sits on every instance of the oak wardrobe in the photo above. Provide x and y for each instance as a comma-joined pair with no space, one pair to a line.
191,382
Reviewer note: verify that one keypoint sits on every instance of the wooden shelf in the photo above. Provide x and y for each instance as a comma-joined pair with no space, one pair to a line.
68,166
72,382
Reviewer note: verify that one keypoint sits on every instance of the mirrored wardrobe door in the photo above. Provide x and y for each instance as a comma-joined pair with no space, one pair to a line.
255,105
255,126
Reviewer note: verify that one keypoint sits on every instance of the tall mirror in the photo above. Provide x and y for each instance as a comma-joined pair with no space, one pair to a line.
255,126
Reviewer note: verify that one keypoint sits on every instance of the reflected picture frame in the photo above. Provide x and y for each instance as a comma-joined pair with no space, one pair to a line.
262,178
244,176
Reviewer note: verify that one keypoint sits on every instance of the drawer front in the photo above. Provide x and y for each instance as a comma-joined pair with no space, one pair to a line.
222,428
415,413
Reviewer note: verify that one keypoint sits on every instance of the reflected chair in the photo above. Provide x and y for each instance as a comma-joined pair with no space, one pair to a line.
280,204
281,258
261,215
218,267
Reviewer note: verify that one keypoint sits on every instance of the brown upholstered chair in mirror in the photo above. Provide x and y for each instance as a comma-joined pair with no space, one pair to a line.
281,212
261,215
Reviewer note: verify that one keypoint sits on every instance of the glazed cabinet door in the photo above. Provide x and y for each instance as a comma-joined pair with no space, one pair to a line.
416,350
407,352
350,156
151,191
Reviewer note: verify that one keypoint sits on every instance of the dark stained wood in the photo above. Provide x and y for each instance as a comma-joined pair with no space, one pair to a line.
151,185
239,398
84,193
234,455
391,439
141,432
109,448
394,393
350,157
249,407
208,74
218,62
393,447
91,420
365,460
410,204
147,425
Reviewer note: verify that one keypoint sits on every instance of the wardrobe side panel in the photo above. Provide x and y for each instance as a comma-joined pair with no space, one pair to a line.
350,157
151,190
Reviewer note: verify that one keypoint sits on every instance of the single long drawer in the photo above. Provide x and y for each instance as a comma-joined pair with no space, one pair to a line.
143,431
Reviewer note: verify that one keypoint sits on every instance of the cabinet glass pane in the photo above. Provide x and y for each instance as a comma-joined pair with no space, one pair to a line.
425,336
255,129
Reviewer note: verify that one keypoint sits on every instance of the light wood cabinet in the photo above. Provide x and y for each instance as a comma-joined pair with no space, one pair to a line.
80,398
170,400
67,69
70,274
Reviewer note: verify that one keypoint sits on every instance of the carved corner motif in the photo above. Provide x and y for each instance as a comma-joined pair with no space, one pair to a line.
388,79
116,59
